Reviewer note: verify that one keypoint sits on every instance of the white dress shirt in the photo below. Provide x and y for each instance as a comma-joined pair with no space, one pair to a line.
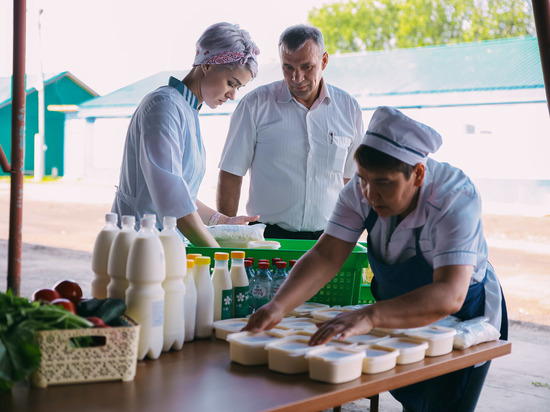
297,157
164,159
449,213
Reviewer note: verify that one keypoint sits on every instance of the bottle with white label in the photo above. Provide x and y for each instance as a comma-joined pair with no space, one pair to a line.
239,281
173,285
146,270
223,292
118,258
279,276
100,256
262,289
205,298
190,302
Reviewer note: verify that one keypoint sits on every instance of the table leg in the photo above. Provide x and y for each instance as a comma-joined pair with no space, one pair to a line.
374,403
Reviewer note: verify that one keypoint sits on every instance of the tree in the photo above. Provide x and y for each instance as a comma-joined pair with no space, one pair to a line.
352,26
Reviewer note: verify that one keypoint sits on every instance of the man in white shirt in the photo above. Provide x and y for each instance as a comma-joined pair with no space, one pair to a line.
297,136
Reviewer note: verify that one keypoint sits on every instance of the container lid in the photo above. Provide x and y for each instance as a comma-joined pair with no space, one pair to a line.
368,338
237,254
169,221
293,345
280,264
298,323
190,263
111,217
405,345
231,325
336,354
221,256
202,260
308,307
128,220
433,332
327,314
376,353
255,340
264,244
192,256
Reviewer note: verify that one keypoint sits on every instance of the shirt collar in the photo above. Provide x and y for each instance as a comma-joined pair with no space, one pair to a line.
285,96
185,92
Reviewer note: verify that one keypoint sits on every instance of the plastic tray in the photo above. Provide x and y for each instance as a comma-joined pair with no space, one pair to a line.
343,289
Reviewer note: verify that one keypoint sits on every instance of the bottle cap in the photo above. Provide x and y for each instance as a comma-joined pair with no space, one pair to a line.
263,265
147,222
192,256
236,254
221,256
280,264
128,220
152,216
169,221
111,217
202,260
275,259
248,263
292,262
190,263
250,258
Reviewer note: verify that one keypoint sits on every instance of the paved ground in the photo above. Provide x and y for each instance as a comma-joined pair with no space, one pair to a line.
61,221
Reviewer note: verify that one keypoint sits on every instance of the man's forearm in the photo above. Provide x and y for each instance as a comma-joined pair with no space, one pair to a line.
228,193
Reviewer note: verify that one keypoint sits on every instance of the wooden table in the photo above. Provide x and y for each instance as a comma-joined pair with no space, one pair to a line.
201,377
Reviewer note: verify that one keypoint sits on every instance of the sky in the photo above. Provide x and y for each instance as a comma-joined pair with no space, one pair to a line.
109,44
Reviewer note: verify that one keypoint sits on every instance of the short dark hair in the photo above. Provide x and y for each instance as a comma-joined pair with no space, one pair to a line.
372,159
294,37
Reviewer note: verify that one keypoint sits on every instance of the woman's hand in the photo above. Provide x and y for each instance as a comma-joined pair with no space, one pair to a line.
241,220
344,325
267,317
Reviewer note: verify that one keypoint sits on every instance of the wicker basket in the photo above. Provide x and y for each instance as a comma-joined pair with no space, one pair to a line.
116,359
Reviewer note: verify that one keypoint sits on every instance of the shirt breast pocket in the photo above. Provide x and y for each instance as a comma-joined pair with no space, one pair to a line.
338,152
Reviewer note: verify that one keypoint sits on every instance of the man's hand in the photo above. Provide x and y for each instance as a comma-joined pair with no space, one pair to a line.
241,220
267,317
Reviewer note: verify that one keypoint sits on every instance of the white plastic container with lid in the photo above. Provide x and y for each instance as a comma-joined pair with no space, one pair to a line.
241,287
118,258
439,338
335,364
190,302
248,348
410,349
223,291
288,355
205,298
146,270
305,309
329,313
378,358
100,256
173,285
367,339
224,328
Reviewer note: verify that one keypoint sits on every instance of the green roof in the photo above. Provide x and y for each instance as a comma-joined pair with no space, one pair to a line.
493,65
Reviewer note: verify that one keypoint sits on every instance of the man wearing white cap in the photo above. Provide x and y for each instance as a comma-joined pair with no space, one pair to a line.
426,248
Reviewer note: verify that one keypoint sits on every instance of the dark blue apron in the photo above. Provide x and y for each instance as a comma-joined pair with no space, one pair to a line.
389,281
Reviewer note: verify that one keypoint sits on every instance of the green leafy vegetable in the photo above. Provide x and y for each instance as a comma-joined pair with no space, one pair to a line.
19,320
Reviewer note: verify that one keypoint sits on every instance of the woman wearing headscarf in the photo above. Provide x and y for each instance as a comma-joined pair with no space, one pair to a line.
164,158
426,248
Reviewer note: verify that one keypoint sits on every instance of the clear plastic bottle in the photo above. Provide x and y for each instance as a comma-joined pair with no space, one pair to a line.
205,298
100,256
280,276
190,302
241,286
262,286
146,271
118,258
173,285
223,292
273,265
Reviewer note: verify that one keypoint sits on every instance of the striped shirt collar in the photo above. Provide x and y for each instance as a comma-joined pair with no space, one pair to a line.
185,92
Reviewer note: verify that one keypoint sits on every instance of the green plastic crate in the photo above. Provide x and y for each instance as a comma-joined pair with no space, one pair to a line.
344,289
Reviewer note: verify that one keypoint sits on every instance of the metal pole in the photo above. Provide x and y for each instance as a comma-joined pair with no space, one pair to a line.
15,244
541,11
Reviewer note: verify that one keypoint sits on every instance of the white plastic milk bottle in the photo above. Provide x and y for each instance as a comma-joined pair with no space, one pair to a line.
239,280
192,256
223,292
174,287
100,256
146,271
118,258
190,302
205,298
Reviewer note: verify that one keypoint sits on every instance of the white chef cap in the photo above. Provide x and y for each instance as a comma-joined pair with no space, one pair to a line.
399,136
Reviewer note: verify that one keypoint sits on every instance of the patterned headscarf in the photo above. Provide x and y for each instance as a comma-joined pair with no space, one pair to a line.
205,56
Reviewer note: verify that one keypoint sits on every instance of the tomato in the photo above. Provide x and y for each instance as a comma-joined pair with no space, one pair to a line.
45,295
98,322
65,304
69,290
